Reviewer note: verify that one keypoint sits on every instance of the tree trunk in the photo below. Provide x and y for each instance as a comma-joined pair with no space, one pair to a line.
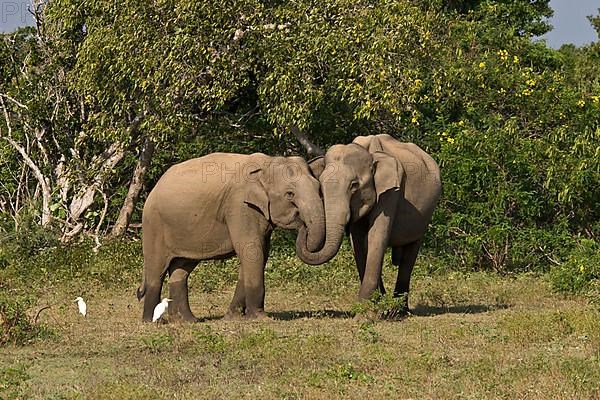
137,181
311,148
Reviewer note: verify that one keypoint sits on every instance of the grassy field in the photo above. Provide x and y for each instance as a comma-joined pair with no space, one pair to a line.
471,336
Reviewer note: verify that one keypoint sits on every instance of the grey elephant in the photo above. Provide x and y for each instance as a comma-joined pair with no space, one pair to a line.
218,206
384,192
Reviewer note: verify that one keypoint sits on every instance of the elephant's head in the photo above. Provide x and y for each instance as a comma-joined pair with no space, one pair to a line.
352,179
287,194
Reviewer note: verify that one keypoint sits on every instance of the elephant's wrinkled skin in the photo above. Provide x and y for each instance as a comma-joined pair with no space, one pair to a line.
218,206
386,190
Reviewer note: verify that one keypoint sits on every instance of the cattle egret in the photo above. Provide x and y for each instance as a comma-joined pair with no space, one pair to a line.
160,309
81,305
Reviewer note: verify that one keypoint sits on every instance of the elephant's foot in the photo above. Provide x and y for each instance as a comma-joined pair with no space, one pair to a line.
180,311
233,316
399,310
395,314
183,317
257,316
235,312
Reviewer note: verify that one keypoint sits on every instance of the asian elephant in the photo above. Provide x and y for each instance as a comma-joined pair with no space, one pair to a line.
384,193
218,206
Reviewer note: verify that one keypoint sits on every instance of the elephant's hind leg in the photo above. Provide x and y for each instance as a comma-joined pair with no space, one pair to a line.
153,281
404,258
179,271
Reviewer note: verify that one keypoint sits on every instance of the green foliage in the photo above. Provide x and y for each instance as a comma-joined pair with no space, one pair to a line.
581,270
16,325
517,143
214,275
29,239
115,263
514,125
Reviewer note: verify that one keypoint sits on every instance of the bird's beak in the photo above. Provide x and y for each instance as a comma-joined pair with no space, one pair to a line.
169,299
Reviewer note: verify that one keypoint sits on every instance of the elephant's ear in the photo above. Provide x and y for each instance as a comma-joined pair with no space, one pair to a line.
317,166
387,173
256,194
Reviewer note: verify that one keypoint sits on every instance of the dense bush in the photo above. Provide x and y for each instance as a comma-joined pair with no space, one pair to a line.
581,271
16,325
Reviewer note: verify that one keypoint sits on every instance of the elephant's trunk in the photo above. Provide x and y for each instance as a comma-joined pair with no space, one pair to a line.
337,213
314,230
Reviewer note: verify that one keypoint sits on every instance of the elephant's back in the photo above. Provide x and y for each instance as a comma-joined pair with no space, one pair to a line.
406,151
423,181
207,173
198,183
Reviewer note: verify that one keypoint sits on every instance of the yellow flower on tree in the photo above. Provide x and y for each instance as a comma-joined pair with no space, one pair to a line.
482,65
581,103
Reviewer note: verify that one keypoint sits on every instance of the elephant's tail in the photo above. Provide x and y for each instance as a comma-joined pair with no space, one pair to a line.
141,291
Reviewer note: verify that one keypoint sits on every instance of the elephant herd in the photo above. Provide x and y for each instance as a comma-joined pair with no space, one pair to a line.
380,191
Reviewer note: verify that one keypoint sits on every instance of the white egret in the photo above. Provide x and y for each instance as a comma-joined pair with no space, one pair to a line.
160,309
82,306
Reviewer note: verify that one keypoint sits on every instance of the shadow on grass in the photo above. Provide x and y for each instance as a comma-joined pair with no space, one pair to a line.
317,314
420,310
428,311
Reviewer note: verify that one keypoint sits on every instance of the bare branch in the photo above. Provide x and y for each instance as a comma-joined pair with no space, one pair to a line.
14,101
42,180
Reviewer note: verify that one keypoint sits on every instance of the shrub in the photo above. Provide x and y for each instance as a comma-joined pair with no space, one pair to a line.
581,271
17,328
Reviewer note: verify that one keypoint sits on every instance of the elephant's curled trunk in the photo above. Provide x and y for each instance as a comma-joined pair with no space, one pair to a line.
335,221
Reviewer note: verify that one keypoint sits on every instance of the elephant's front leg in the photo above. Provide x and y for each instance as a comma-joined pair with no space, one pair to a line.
253,257
378,235
179,271
358,238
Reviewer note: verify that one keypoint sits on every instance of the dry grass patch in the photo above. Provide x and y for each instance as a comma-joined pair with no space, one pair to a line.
471,336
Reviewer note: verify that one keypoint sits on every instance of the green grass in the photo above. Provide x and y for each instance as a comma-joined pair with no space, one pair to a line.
471,336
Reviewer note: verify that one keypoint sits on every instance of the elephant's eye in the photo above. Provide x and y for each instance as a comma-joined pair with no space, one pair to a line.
289,195
354,186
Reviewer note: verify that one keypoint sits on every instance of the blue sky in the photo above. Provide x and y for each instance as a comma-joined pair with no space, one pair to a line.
569,21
